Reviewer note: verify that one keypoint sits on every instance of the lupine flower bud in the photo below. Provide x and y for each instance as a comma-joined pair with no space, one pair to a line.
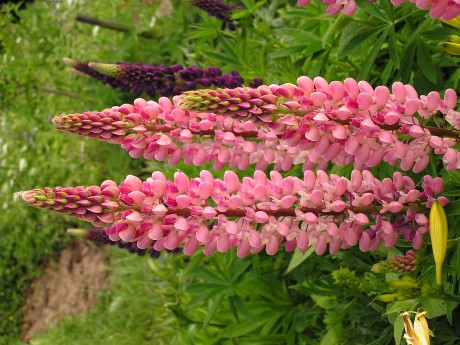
400,264
151,79
455,22
251,214
387,298
403,284
452,47
218,9
438,235
84,69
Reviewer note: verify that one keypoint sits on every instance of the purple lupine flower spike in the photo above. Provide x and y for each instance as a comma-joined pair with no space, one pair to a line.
400,264
218,9
252,214
164,80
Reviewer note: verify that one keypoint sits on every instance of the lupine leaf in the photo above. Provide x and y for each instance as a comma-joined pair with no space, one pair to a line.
425,61
372,9
365,69
358,39
453,208
212,309
392,48
298,34
237,330
407,60
298,258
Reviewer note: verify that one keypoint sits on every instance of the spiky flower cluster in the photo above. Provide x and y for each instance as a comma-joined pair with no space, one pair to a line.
349,122
99,236
311,124
151,79
439,9
400,264
254,213
218,9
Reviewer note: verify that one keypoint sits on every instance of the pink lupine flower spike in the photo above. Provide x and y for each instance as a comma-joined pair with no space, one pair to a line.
313,123
253,214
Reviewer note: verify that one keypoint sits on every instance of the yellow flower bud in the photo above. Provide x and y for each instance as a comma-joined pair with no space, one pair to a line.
438,234
402,284
451,48
387,297
454,38
454,22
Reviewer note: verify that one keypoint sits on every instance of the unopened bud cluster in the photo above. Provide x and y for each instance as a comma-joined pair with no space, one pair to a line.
400,264
253,214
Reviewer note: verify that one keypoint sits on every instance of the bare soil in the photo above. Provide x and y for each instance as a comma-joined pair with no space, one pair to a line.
67,287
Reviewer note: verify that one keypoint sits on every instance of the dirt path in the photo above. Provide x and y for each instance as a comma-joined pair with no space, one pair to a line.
67,287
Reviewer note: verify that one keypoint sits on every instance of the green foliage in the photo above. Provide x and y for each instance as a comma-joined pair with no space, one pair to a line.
287,299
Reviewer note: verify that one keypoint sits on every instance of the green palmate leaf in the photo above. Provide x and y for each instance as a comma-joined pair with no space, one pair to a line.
241,307
372,9
238,14
209,276
272,322
212,309
274,339
229,48
292,49
453,208
398,329
333,335
392,48
206,295
407,60
365,69
435,307
357,39
233,309
336,27
298,258
425,61
203,287
396,307
237,269
237,330
222,58
304,35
